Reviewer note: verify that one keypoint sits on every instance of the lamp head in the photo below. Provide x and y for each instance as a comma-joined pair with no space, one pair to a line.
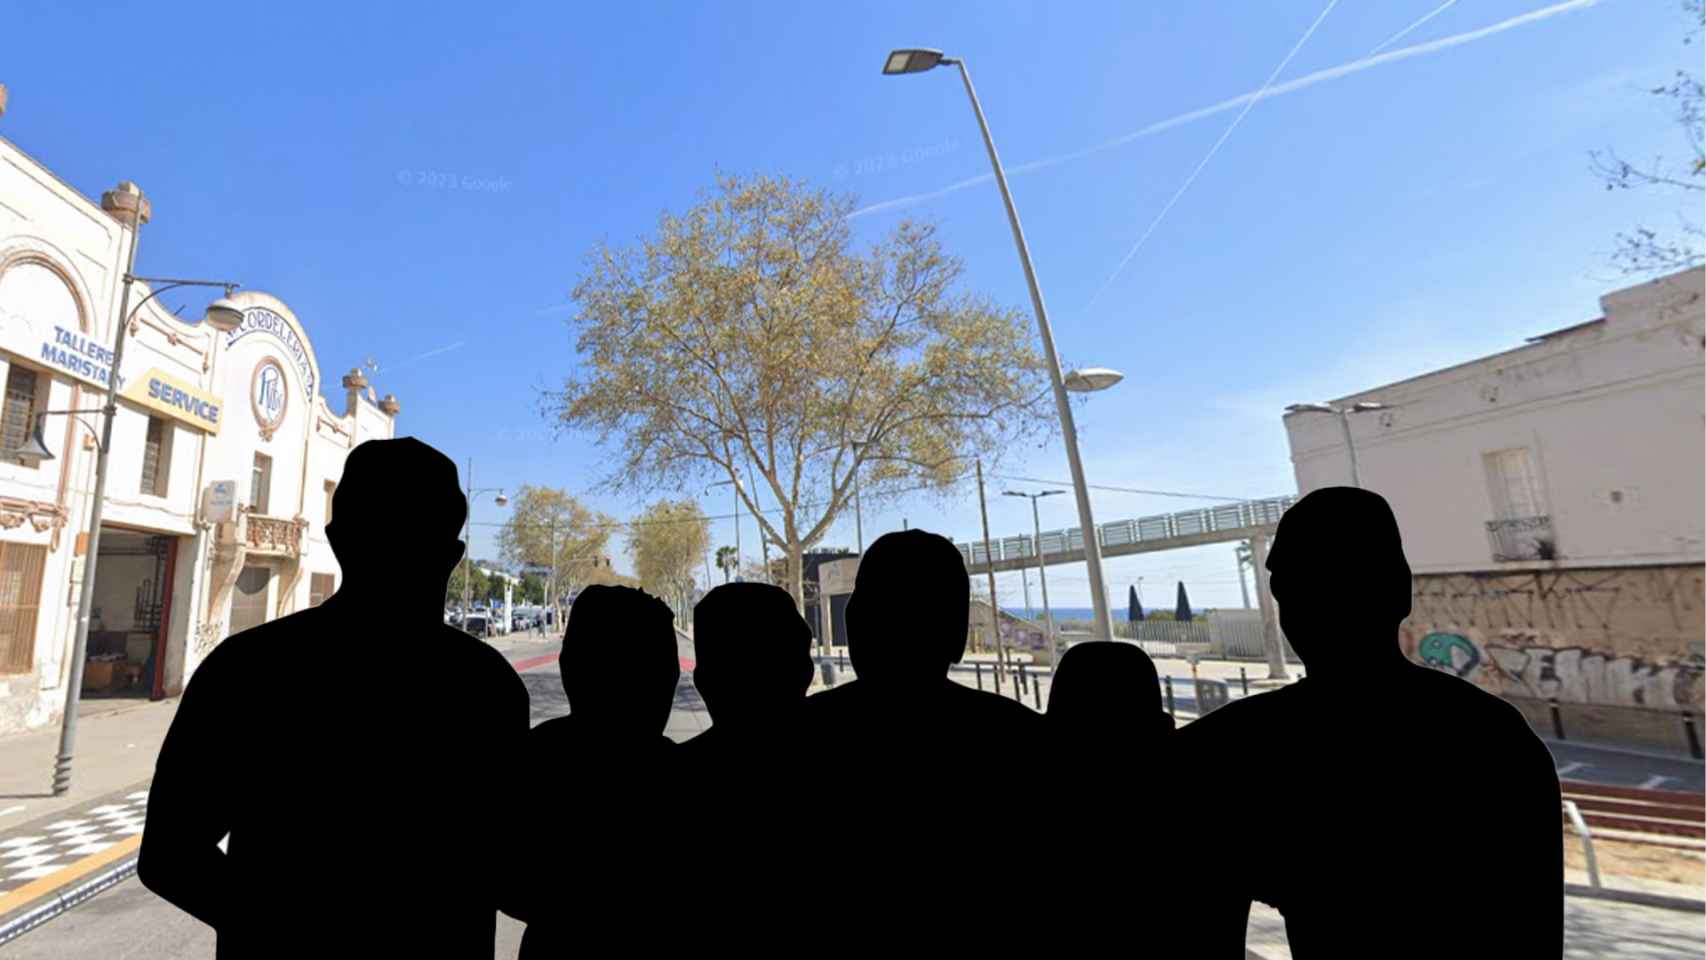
911,61
34,450
1091,379
224,314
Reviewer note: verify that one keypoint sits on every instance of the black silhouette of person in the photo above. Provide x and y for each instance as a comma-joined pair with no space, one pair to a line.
925,779
1108,741
351,751
608,770
1396,810
753,664
752,669
1106,698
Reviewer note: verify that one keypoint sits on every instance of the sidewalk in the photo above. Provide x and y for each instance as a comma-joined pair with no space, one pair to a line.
51,846
115,749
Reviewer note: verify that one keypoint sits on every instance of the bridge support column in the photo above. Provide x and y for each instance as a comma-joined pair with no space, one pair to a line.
1270,615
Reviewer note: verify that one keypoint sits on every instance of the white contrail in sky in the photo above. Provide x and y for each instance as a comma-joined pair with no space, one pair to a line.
1290,86
432,353
1447,5
1212,151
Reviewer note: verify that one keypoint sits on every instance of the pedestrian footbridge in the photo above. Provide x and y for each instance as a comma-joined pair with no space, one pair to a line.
1230,522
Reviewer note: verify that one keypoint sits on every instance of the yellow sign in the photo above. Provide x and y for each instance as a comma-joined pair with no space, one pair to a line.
161,392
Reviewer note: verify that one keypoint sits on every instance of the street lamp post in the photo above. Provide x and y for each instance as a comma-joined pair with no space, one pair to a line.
1344,415
915,61
468,540
223,316
1042,570
1243,552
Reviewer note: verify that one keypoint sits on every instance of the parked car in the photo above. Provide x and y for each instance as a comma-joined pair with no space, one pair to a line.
478,625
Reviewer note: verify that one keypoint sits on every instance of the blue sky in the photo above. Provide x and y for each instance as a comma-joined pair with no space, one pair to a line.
1374,225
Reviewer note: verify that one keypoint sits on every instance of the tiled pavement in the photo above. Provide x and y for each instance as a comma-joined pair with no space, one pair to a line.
43,847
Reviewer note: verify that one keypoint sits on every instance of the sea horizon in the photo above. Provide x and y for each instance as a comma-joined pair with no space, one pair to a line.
1083,613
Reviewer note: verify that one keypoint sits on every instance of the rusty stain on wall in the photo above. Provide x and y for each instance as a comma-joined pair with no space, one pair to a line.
1625,637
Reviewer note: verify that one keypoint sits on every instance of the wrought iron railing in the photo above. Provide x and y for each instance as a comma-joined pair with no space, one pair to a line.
1522,538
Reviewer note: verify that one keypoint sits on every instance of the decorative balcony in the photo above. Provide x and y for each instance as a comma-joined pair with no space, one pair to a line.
1522,538
273,536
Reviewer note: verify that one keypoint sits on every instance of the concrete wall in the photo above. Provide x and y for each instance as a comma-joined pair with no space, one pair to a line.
1629,637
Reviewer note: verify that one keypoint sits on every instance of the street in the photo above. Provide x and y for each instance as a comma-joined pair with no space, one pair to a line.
129,922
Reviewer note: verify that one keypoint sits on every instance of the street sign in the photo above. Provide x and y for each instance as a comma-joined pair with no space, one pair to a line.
219,501
1211,696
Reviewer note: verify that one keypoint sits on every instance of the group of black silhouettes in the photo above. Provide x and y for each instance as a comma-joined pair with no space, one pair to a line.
360,779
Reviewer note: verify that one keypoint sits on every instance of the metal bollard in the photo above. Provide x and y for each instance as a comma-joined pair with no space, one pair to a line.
828,673
1037,695
1557,720
997,671
979,668
1693,733
841,659
1024,679
1244,678
1169,682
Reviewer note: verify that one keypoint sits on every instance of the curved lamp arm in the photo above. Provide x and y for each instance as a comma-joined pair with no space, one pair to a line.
168,283
74,414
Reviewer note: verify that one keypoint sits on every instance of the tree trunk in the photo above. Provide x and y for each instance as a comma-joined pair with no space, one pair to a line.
796,575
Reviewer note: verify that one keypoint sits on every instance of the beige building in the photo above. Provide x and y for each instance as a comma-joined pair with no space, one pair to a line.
1552,500
224,455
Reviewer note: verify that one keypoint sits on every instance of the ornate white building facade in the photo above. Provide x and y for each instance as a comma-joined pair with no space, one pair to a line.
224,455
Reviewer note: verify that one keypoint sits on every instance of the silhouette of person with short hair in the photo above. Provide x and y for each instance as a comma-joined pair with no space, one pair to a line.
1106,696
1395,806
752,669
362,734
607,768
753,664
912,761
1108,741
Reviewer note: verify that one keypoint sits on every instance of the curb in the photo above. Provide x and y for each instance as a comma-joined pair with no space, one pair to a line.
62,900
1659,900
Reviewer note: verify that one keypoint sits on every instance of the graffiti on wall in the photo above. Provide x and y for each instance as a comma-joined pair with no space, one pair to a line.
1449,651
1615,637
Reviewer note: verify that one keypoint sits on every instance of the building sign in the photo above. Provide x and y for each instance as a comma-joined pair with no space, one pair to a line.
264,321
267,396
163,393
836,577
219,502
76,354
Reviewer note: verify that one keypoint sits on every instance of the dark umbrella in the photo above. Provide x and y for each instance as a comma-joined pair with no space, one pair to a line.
1183,612
1133,607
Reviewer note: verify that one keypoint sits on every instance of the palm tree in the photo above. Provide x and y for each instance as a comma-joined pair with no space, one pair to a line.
727,561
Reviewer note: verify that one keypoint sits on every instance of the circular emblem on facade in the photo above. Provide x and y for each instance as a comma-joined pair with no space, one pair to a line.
267,396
